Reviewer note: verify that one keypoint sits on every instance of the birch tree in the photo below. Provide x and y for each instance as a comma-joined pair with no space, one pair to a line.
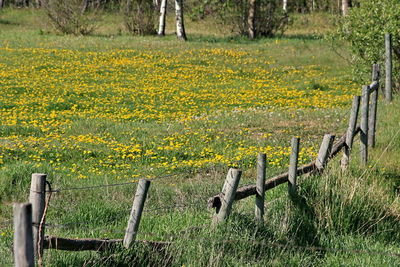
250,19
345,7
285,5
180,27
163,13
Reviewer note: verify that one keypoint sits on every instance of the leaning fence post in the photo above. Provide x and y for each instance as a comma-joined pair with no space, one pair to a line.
294,156
324,151
228,195
373,106
389,68
37,198
260,189
344,163
136,212
364,125
23,239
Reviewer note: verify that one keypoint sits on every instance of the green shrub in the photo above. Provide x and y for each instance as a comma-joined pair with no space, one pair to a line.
269,17
364,29
139,16
71,17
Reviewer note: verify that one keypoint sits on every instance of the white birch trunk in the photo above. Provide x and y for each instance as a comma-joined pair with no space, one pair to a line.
345,7
250,20
163,13
285,5
180,28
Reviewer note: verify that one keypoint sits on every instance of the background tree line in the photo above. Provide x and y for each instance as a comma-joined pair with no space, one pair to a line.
245,17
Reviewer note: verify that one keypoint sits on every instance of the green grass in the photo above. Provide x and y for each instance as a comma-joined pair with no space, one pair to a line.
109,108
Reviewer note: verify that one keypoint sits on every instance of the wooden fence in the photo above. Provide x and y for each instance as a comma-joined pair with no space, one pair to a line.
29,218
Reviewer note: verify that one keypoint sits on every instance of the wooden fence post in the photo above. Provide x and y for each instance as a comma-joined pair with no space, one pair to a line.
373,106
136,212
260,190
324,151
37,199
389,68
344,163
228,195
294,156
364,125
23,239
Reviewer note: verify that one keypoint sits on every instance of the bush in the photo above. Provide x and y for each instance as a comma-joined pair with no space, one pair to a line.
364,29
72,16
139,16
269,17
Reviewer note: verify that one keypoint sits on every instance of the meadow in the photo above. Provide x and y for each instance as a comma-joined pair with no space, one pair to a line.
111,108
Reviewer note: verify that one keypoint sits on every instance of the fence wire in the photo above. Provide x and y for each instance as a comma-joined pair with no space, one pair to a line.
369,170
85,225
214,166
111,185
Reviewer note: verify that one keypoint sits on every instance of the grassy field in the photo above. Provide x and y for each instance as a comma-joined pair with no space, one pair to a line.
111,108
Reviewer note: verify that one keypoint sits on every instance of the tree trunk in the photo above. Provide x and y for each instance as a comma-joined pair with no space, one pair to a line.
250,21
285,5
345,7
156,4
85,6
163,13
1,3
38,3
304,8
180,28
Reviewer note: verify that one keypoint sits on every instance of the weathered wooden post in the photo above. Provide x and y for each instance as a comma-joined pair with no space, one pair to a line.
294,156
389,68
364,125
37,199
228,195
374,105
324,151
260,190
23,239
136,212
344,163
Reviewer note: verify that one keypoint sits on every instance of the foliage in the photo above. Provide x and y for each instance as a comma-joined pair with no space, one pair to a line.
139,16
71,17
269,17
364,30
